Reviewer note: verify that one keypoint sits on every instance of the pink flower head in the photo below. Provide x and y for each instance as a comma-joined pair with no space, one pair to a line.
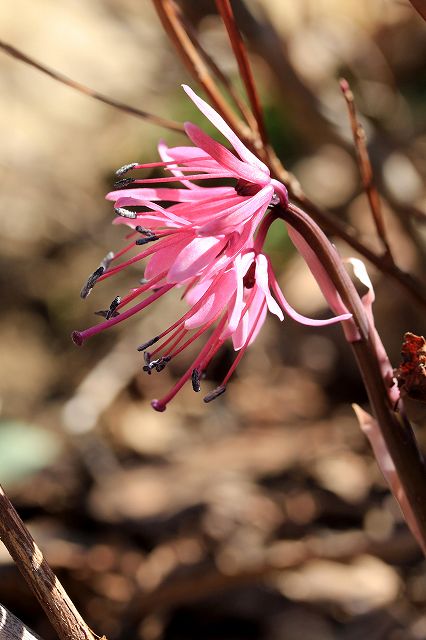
207,239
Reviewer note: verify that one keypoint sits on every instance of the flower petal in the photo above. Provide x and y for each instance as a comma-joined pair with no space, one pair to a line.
220,124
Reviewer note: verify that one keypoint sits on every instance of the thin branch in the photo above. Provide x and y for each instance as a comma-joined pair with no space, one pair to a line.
217,71
339,228
420,6
225,10
174,28
395,428
365,168
59,77
51,595
11,628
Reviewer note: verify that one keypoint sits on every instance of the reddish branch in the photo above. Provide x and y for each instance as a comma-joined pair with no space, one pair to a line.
46,587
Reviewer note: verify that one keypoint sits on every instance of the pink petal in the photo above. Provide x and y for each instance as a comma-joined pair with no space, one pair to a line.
194,257
242,263
220,124
262,282
214,303
165,256
224,157
173,195
239,213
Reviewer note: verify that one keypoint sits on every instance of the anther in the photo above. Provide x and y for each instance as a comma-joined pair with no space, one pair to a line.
112,308
125,168
142,241
125,213
214,394
144,231
124,182
107,260
91,281
195,378
145,345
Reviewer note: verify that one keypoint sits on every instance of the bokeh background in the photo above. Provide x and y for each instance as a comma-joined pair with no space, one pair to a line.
262,515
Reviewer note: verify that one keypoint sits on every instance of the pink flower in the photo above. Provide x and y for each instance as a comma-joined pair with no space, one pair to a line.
209,240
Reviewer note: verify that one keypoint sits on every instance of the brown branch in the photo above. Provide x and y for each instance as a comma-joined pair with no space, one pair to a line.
81,88
225,10
395,428
51,595
174,28
420,6
217,71
339,228
365,168
11,628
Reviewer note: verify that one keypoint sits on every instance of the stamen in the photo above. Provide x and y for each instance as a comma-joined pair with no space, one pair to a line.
214,394
142,241
112,308
160,405
79,336
125,213
144,231
275,200
195,378
91,281
124,182
105,263
158,364
125,168
145,345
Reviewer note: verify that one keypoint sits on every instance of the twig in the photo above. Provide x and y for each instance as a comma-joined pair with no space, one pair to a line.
60,77
217,71
11,628
225,10
420,6
61,612
395,428
174,28
365,168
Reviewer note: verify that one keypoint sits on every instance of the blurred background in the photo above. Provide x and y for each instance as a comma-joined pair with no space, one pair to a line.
262,515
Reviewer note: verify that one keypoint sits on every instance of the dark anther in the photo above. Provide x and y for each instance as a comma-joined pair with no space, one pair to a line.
124,182
112,308
125,168
250,277
158,364
147,357
196,380
106,313
214,394
142,241
144,231
107,260
125,213
91,281
145,345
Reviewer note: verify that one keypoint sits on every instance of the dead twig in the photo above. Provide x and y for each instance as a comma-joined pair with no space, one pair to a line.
365,168
225,10
30,561
81,88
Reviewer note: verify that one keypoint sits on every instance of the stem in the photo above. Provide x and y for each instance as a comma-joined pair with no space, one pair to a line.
30,561
395,428
174,28
60,77
237,43
365,169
